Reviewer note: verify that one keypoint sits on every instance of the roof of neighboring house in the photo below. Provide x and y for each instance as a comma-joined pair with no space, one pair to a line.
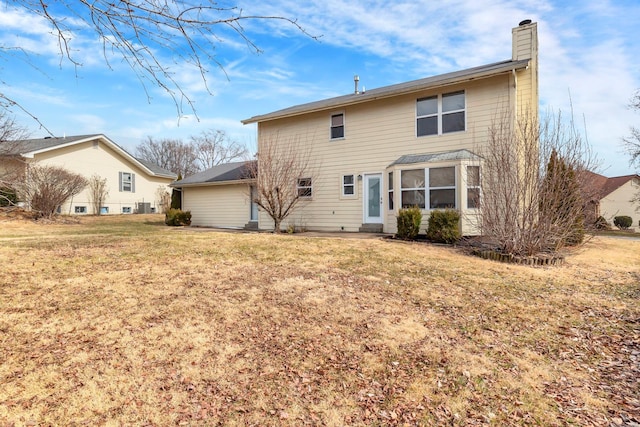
224,173
30,147
436,157
397,89
604,186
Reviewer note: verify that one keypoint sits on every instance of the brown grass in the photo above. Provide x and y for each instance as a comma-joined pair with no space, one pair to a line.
122,321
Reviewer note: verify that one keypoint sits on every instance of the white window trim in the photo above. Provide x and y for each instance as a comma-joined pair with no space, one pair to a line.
302,187
353,185
440,113
344,125
80,209
467,186
428,188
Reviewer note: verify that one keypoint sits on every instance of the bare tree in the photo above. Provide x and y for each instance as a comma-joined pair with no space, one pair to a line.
11,164
282,178
164,198
632,142
171,154
98,192
139,33
531,198
46,188
214,147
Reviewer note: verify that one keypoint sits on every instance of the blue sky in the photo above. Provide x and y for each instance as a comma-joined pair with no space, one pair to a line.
589,61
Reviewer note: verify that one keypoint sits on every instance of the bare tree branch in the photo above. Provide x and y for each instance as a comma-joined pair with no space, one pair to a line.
215,148
141,32
283,178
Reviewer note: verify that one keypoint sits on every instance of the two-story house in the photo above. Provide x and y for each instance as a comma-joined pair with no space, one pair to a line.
133,185
413,143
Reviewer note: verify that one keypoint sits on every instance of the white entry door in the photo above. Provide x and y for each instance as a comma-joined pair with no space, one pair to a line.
373,198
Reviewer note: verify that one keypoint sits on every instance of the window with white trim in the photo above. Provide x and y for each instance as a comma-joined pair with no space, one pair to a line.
431,188
348,185
126,209
440,114
80,209
412,188
473,187
127,181
337,126
442,188
304,187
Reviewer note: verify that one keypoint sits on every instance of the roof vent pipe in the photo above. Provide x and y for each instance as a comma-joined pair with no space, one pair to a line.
356,79
525,22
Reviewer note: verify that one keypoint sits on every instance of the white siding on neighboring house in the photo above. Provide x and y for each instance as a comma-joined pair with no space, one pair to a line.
618,203
96,157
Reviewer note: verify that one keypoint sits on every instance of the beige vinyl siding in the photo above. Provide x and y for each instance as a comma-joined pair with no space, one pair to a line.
88,159
376,134
618,203
217,205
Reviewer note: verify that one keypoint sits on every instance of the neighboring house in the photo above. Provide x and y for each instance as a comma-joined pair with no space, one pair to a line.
616,196
133,184
414,143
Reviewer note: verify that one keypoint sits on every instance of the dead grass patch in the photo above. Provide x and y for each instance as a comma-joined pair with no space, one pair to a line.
121,321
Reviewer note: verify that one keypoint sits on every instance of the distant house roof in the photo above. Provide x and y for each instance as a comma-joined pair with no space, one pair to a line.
436,157
604,186
28,148
225,173
397,89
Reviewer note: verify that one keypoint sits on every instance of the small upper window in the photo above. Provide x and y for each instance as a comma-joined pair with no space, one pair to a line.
337,126
348,185
304,187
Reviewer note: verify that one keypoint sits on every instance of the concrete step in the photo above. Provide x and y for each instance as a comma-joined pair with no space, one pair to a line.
370,228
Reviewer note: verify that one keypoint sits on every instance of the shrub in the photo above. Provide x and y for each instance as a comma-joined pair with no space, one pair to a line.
623,222
176,217
409,221
602,224
443,226
8,197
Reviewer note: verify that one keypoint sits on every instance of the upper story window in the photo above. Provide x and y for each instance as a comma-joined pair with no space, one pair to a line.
304,187
441,114
127,182
337,126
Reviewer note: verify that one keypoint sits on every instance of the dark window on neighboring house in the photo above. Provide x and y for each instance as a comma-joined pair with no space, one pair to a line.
127,182
337,126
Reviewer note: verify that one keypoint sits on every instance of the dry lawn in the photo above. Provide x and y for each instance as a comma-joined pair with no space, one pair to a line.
122,321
